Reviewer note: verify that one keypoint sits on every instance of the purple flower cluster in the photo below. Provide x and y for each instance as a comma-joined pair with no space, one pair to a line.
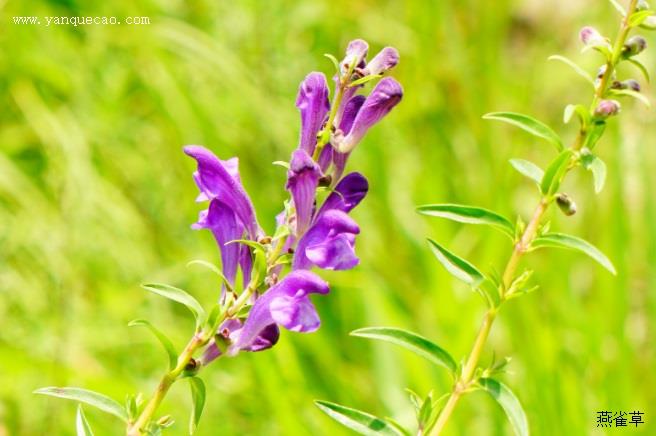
314,236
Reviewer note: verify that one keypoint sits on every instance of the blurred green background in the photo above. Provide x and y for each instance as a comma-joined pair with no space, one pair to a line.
96,197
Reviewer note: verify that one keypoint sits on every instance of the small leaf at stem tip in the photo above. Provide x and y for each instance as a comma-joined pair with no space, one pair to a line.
528,169
99,401
358,421
214,269
253,244
334,60
637,18
410,341
561,240
509,402
82,427
630,93
577,69
161,337
197,402
581,111
281,163
594,134
468,215
641,67
529,124
459,268
554,173
179,296
597,166
619,7
365,79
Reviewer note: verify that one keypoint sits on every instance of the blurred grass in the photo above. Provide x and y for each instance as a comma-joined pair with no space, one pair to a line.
96,197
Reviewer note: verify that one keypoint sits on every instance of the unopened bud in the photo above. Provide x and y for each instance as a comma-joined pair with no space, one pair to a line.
607,108
642,5
566,204
634,45
630,84
602,71
165,421
590,35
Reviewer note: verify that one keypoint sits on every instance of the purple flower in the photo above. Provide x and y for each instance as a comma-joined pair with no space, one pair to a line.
330,242
387,94
287,304
589,36
312,102
229,331
302,181
356,52
385,60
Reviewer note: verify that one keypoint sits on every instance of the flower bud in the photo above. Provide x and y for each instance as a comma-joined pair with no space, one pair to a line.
607,108
642,5
355,54
590,35
630,84
634,46
566,204
165,421
385,60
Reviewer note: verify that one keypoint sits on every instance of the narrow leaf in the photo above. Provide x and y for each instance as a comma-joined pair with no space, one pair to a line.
459,268
365,79
629,93
561,240
529,124
619,7
641,67
179,296
598,168
410,341
528,169
161,337
82,427
596,131
637,18
581,111
356,420
469,215
554,173
91,398
509,402
215,270
197,402
577,69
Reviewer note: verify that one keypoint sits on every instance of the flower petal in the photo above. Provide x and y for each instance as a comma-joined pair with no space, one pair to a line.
348,193
219,179
302,181
334,253
385,60
356,52
295,313
351,109
387,94
312,102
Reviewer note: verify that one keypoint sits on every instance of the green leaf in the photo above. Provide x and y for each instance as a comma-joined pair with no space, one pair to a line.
554,173
578,70
215,270
637,18
82,427
85,396
597,167
179,296
161,337
356,420
198,402
596,130
509,402
469,215
334,60
398,427
619,7
410,341
253,244
641,67
581,111
630,93
528,169
529,124
365,79
459,268
561,240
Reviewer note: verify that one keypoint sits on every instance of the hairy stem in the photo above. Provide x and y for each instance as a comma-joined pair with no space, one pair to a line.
468,376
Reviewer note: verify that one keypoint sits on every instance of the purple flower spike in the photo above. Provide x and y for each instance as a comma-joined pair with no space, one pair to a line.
387,94
351,109
385,60
302,181
348,193
329,244
218,179
287,304
312,102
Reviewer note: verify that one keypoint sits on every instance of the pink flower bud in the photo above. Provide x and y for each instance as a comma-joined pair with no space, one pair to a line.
590,35
634,46
607,108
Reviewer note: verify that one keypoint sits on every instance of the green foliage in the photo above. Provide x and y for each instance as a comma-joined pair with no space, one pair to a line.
99,401
179,296
469,215
509,402
561,240
82,427
529,124
458,267
161,337
574,66
356,420
528,169
197,402
410,341
554,173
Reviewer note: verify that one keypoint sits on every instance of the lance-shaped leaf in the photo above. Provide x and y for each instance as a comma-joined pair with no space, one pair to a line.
528,169
210,266
410,341
356,420
459,268
581,112
529,124
580,71
179,296
596,131
86,396
619,7
197,402
561,240
82,427
554,173
641,67
598,168
630,93
637,18
509,402
161,337
469,215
